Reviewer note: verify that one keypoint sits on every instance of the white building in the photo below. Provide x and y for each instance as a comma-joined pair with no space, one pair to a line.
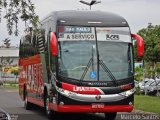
9,56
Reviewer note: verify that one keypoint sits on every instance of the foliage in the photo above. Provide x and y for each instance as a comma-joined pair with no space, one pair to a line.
138,73
6,61
7,42
151,36
158,71
18,9
137,91
15,72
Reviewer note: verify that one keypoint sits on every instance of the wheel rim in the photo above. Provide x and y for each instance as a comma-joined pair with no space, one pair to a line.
47,106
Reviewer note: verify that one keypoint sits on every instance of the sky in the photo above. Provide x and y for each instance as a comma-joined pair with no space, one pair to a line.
138,13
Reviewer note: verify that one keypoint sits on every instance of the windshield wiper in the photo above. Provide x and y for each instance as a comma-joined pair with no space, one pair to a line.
91,62
107,70
86,69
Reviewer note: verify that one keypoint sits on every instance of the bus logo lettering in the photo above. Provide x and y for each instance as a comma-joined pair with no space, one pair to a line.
83,89
112,37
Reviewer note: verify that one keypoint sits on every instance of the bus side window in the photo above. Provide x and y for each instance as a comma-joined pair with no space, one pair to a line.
21,52
34,45
20,49
27,46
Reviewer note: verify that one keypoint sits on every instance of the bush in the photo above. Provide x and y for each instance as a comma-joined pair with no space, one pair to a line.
137,91
138,73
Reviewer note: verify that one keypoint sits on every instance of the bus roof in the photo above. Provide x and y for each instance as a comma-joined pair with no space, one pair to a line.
87,18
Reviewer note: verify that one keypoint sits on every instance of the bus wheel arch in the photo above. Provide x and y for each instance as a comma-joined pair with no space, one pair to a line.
27,104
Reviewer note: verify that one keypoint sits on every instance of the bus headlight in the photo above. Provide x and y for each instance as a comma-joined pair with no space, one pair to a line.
66,92
128,93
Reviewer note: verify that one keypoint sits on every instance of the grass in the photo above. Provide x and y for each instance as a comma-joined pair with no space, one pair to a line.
147,103
10,85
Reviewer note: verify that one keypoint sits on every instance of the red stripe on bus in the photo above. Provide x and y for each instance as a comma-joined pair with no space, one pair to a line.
30,60
88,108
36,101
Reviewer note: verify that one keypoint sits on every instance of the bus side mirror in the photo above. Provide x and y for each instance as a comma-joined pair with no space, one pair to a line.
53,44
140,44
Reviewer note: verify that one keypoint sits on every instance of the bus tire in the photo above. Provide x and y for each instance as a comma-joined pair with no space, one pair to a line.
27,105
48,112
110,116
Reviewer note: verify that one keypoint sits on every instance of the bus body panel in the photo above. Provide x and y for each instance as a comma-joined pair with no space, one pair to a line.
31,77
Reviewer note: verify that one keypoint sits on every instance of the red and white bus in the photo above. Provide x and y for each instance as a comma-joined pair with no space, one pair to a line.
81,61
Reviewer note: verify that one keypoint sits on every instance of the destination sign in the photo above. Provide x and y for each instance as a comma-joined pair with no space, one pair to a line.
77,33
78,36
118,34
75,29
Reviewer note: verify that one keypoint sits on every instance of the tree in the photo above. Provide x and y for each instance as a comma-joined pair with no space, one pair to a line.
138,73
6,42
151,36
6,61
18,9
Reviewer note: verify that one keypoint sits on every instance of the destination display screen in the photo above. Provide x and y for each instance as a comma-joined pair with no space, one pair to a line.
76,33
120,34
72,33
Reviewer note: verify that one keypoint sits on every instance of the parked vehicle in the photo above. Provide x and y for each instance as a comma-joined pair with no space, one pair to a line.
151,87
142,83
136,83
4,115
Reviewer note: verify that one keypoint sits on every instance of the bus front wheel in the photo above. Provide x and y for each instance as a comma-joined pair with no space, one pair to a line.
48,112
110,116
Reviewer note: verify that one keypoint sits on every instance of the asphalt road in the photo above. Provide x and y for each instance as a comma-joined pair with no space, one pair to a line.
11,103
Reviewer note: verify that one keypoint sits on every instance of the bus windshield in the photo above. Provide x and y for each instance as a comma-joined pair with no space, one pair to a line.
83,51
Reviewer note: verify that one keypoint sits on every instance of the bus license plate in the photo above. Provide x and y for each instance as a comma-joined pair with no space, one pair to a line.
100,105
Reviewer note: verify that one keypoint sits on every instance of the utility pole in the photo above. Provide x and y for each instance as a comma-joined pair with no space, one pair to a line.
93,2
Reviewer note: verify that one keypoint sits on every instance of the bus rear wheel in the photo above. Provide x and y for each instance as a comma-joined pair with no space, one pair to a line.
110,116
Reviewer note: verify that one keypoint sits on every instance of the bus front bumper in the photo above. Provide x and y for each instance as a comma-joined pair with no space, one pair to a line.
90,108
